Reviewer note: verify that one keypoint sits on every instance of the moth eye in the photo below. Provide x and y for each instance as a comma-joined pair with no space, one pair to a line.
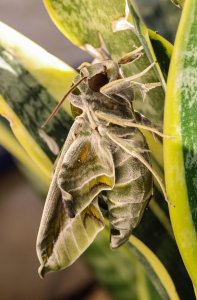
97,81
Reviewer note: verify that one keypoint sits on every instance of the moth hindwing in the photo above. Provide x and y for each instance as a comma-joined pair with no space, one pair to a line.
101,157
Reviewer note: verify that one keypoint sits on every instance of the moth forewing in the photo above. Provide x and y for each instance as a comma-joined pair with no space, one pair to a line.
86,169
57,229
68,238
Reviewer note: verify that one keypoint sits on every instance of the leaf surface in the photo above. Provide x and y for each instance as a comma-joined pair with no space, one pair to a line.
181,151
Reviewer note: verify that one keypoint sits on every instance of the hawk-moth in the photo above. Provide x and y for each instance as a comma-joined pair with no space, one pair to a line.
105,157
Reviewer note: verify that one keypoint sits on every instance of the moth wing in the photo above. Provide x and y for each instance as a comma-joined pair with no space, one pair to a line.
86,170
66,239
61,240
132,191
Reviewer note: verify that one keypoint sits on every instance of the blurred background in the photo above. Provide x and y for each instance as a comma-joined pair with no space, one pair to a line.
20,205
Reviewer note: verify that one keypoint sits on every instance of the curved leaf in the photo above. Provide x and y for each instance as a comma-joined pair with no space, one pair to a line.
9,142
29,79
155,269
163,51
127,278
178,3
153,231
181,151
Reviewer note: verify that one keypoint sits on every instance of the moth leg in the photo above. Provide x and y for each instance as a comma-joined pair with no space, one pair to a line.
127,123
124,145
146,87
124,87
131,56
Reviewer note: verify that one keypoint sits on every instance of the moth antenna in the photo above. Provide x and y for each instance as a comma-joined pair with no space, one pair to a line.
56,109
144,162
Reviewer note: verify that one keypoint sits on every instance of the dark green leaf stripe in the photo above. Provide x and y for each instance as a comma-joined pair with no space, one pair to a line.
32,80
180,153
31,102
163,51
9,142
188,95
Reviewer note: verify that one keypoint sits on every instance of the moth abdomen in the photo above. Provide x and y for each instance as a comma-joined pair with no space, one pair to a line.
122,223
131,193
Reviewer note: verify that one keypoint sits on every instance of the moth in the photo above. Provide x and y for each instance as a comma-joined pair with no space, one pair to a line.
105,158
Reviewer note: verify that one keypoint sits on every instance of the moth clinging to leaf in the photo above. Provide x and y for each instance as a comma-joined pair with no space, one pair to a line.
105,159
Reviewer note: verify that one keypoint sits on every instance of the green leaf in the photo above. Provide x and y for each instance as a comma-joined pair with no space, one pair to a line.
179,3
127,277
9,142
181,151
30,79
154,268
153,231
163,51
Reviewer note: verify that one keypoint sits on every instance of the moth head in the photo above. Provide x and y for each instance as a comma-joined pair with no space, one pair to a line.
100,74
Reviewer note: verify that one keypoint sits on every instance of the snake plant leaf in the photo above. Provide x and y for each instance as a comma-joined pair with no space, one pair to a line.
178,3
117,30
155,269
31,81
118,277
180,152
153,231
163,51
10,143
